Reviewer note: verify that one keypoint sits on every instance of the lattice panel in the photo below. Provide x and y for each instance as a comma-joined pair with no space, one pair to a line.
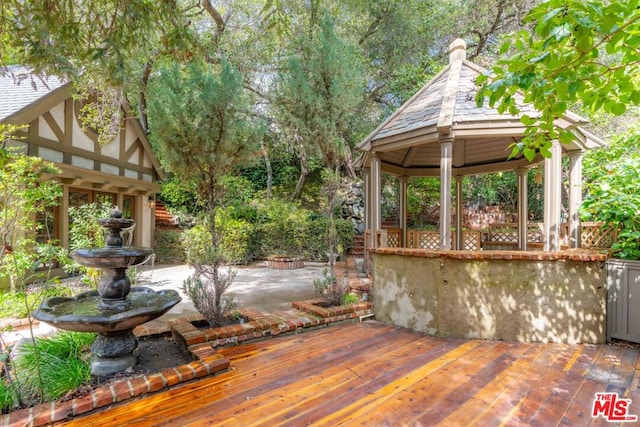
471,240
393,240
594,236
428,240
534,233
503,233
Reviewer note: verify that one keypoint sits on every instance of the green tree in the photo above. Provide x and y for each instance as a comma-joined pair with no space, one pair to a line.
578,52
318,92
612,175
203,128
23,197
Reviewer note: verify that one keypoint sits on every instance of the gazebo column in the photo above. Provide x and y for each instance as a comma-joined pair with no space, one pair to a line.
376,185
459,231
523,208
403,210
366,177
368,235
575,197
446,148
552,198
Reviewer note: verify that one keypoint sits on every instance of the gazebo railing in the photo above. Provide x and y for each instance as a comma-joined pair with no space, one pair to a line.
497,236
505,236
423,239
594,235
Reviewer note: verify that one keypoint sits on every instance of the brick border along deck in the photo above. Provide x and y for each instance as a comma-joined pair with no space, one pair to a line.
202,345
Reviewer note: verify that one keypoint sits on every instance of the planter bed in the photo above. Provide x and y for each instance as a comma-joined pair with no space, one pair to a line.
285,262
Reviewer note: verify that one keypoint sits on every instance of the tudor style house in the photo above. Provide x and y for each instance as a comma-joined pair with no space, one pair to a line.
123,172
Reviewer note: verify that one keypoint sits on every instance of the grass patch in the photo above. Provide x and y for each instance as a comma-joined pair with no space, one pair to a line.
48,370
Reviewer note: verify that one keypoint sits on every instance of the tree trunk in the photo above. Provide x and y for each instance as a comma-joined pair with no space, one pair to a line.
142,100
267,163
304,173
348,162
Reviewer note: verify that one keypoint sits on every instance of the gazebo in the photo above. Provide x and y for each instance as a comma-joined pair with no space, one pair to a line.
441,132
507,293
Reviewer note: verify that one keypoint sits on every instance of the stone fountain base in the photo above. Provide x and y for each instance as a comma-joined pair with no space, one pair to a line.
114,353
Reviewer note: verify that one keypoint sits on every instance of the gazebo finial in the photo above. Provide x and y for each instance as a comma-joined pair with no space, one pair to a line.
457,50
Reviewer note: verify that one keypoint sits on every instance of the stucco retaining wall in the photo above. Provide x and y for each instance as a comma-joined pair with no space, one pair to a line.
501,295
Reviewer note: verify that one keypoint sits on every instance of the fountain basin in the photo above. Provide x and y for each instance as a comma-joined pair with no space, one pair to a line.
82,313
111,257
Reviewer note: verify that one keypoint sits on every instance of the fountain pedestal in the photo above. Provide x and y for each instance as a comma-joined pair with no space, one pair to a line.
114,352
116,308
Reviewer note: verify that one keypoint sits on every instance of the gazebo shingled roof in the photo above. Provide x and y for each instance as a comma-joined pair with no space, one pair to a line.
441,131
446,105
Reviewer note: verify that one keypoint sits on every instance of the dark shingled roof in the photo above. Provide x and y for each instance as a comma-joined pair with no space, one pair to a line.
19,89
407,141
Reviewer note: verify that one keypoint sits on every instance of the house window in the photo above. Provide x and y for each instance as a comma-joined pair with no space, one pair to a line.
105,199
47,231
128,207
80,196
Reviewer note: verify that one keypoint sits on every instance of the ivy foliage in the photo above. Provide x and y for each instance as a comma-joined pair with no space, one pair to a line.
578,52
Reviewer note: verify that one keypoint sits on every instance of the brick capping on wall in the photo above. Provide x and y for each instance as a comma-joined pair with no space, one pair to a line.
569,254
201,343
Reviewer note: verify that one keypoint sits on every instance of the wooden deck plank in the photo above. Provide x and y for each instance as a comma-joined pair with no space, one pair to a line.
438,387
353,411
400,363
276,369
377,374
487,406
414,348
348,397
327,380
210,388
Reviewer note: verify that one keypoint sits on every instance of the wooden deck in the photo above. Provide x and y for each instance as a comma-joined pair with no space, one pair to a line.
373,374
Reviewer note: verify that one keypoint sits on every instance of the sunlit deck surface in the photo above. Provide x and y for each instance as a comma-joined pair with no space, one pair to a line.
374,374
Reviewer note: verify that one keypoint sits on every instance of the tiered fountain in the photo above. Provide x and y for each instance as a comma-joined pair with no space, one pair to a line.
116,308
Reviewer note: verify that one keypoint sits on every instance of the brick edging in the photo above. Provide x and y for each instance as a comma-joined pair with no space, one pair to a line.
262,325
568,255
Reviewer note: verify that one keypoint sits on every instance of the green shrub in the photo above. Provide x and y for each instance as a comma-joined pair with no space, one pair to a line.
331,289
168,248
207,296
278,227
58,364
350,299
285,228
195,242
86,232
237,241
